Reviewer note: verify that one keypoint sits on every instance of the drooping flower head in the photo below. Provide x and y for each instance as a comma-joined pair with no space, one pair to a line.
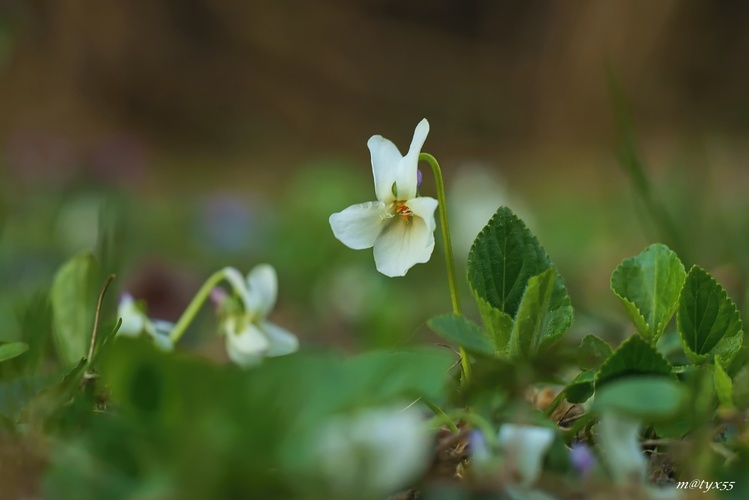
249,336
135,323
400,224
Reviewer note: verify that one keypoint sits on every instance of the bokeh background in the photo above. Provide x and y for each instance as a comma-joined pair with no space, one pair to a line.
176,136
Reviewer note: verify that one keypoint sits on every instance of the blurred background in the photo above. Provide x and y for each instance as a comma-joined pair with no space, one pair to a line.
173,137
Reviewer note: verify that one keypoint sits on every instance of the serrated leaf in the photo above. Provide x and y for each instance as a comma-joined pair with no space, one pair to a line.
497,323
651,398
723,386
12,349
707,319
634,356
504,257
73,306
461,331
529,330
592,352
648,286
581,388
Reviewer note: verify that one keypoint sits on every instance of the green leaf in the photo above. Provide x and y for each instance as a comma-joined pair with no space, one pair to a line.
498,325
650,398
648,285
530,328
503,259
12,349
707,319
581,388
73,306
634,356
592,352
723,386
463,332
741,388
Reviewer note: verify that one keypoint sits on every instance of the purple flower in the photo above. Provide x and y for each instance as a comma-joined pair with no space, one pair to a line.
582,458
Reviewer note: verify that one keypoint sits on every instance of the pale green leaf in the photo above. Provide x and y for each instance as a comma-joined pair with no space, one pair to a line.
73,307
723,386
529,329
648,286
651,398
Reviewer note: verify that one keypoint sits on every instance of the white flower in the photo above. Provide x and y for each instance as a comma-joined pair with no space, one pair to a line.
135,323
374,451
524,447
249,337
619,441
400,224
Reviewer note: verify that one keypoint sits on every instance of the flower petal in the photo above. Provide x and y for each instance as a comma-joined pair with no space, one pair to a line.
359,225
133,319
239,284
281,342
619,441
525,446
406,177
424,207
402,245
245,348
262,290
385,160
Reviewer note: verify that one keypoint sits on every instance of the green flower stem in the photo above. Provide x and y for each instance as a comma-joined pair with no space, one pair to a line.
441,416
447,243
192,309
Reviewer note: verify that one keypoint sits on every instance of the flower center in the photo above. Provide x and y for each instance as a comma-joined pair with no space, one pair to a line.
403,210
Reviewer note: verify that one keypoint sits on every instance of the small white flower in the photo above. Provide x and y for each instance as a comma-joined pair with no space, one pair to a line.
249,336
619,441
400,224
524,447
374,451
136,323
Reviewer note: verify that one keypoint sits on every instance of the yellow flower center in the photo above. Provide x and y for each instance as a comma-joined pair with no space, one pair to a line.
403,210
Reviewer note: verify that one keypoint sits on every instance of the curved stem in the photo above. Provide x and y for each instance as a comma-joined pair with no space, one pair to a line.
465,363
441,416
194,306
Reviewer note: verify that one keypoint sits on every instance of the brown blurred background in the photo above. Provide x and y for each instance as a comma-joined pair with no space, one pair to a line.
236,127
276,80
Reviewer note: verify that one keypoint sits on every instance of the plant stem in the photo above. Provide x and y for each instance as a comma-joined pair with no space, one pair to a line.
442,416
194,306
465,363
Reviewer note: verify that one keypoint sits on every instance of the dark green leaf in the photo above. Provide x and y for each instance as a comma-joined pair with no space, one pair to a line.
73,306
12,349
592,352
649,398
581,388
707,319
463,332
503,259
634,356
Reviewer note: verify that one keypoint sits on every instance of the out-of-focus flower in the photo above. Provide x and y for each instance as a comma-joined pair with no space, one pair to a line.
249,336
400,224
524,447
374,451
582,458
136,323
619,441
